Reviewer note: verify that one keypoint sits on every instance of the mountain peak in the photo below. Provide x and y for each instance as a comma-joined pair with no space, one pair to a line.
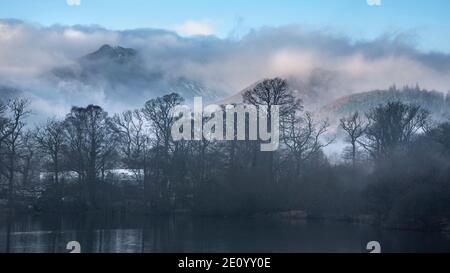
108,53
105,48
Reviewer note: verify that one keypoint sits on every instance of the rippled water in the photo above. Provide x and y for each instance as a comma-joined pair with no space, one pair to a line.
108,233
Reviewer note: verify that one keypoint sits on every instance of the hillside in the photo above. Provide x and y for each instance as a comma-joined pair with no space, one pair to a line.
122,71
437,103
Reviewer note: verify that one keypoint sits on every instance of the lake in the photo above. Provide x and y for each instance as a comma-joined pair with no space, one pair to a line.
135,234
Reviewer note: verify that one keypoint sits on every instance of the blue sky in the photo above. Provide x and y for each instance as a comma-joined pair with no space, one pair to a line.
355,18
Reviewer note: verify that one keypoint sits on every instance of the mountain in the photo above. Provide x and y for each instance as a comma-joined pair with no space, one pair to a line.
123,73
315,90
437,103
324,106
108,53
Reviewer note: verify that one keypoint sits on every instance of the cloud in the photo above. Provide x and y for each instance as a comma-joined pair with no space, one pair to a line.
73,2
321,61
374,2
192,28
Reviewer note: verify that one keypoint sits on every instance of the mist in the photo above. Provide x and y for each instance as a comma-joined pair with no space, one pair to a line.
322,61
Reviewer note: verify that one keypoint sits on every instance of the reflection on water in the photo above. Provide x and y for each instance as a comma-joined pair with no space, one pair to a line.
109,233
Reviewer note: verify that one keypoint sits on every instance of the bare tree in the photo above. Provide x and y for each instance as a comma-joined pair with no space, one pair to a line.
18,112
92,141
27,155
272,92
158,112
130,127
4,132
355,127
302,136
393,125
50,141
268,93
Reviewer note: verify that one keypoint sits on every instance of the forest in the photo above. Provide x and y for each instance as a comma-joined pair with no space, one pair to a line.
394,172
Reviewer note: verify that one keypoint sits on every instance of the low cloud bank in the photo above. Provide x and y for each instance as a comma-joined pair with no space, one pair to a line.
330,64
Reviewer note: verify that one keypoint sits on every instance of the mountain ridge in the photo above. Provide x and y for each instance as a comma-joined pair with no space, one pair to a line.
106,51
123,71
435,102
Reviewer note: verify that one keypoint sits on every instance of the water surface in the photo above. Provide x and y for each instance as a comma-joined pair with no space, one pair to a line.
136,234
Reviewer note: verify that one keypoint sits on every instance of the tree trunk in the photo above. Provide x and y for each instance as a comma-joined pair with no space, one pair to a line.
353,154
11,178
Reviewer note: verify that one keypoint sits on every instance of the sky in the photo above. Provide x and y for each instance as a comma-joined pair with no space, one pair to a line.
359,19
329,48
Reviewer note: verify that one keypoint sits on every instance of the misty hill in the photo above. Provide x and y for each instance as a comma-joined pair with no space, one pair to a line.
122,72
437,103
108,53
315,90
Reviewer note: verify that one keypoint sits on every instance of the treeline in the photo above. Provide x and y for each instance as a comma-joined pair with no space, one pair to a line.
396,169
436,102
